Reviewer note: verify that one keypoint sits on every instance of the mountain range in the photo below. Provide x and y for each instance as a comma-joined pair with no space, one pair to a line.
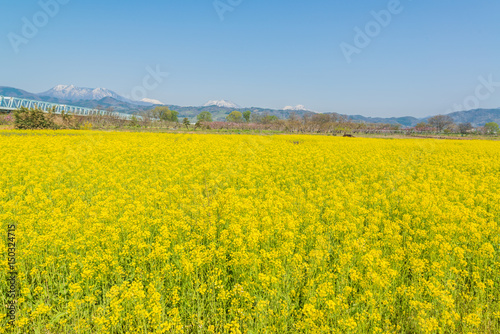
477,117
104,98
72,93
101,98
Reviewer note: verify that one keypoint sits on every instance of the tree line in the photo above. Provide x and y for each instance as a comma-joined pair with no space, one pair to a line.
323,123
163,117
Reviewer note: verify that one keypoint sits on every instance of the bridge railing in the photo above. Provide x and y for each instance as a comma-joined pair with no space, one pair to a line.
12,103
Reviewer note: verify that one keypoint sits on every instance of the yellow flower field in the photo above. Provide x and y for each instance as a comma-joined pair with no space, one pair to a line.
172,233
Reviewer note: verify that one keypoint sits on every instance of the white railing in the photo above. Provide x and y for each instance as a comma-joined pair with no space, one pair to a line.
13,103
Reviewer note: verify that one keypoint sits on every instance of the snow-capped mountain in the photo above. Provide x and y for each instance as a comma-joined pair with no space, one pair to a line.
152,101
222,104
296,108
72,93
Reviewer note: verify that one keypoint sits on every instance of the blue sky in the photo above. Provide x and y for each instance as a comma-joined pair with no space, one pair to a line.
427,60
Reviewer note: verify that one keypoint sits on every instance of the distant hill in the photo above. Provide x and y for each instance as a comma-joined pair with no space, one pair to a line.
14,92
477,117
405,121
104,99
110,102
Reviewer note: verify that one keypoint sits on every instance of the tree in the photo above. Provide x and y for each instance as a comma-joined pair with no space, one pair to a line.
165,114
66,116
204,116
440,122
235,117
186,122
491,128
266,119
422,126
293,117
134,122
246,115
32,119
464,128
321,118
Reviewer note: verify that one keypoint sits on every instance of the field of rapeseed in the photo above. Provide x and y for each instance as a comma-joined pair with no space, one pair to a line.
171,233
